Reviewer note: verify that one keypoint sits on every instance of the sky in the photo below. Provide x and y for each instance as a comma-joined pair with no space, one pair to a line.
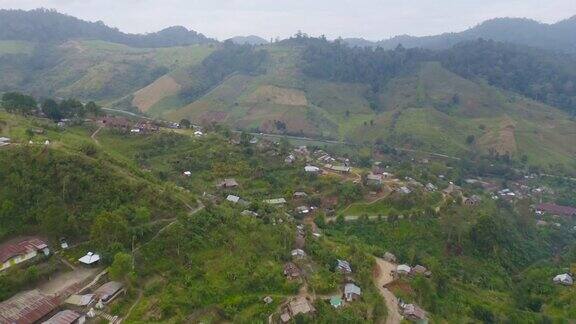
370,19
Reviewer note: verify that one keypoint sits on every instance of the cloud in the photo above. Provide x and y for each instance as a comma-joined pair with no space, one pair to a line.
372,19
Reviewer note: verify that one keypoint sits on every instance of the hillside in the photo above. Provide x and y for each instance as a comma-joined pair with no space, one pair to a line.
425,107
42,25
559,36
89,70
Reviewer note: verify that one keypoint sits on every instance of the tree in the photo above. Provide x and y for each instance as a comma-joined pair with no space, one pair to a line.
51,109
72,107
15,102
93,109
122,267
185,123
470,139
109,228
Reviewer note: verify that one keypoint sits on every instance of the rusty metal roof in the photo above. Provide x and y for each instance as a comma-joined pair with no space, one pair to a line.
27,307
63,317
20,247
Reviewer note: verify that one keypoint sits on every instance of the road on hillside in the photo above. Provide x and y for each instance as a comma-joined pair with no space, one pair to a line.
308,139
382,277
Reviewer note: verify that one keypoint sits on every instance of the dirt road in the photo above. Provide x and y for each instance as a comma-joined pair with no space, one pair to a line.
382,276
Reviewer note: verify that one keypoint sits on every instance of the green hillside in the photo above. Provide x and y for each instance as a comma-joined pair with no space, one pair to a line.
90,70
428,108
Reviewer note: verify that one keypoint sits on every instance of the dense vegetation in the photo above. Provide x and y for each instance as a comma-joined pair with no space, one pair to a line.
542,76
537,74
42,25
229,59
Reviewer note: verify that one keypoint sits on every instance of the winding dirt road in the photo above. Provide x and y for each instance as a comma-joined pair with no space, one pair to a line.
382,276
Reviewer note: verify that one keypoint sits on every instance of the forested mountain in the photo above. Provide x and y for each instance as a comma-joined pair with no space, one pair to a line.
560,36
43,25
538,74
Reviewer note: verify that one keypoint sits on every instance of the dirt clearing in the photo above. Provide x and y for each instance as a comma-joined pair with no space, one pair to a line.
382,277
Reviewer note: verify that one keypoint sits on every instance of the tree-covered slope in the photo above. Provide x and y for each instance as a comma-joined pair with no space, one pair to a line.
60,189
89,70
42,25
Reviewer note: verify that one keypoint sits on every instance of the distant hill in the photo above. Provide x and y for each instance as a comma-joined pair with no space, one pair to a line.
42,25
249,40
560,36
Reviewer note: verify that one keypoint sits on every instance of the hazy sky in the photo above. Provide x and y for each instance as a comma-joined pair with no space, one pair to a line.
371,19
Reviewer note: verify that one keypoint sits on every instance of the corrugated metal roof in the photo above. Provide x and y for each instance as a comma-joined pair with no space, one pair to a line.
63,317
108,289
20,247
27,307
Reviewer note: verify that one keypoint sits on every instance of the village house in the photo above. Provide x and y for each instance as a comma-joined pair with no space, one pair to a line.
233,199
108,291
420,270
389,257
4,141
413,313
430,187
374,179
90,259
563,279
27,307
471,201
339,168
300,195
302,210
403,269
299,305
146,126
298,253
268,300
249,213
404,190
291,271
336,301
343,267
312,169
80,300
290,159
187,173
275,201
118,123
452,189
18,251
352,292
227,184
556,210
66,317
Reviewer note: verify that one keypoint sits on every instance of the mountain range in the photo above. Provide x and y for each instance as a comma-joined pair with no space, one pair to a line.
558,37
456,95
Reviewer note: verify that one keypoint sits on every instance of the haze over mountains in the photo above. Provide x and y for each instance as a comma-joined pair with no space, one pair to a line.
559,36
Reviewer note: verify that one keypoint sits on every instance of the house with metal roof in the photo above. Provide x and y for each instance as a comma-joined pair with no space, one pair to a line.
90,258
66,317
352,292
27,307
21,250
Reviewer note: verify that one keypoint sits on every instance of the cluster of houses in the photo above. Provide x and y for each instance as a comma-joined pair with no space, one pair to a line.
555,212
36,306
33,306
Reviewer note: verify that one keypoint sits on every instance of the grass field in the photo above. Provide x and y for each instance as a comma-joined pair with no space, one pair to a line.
15,47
